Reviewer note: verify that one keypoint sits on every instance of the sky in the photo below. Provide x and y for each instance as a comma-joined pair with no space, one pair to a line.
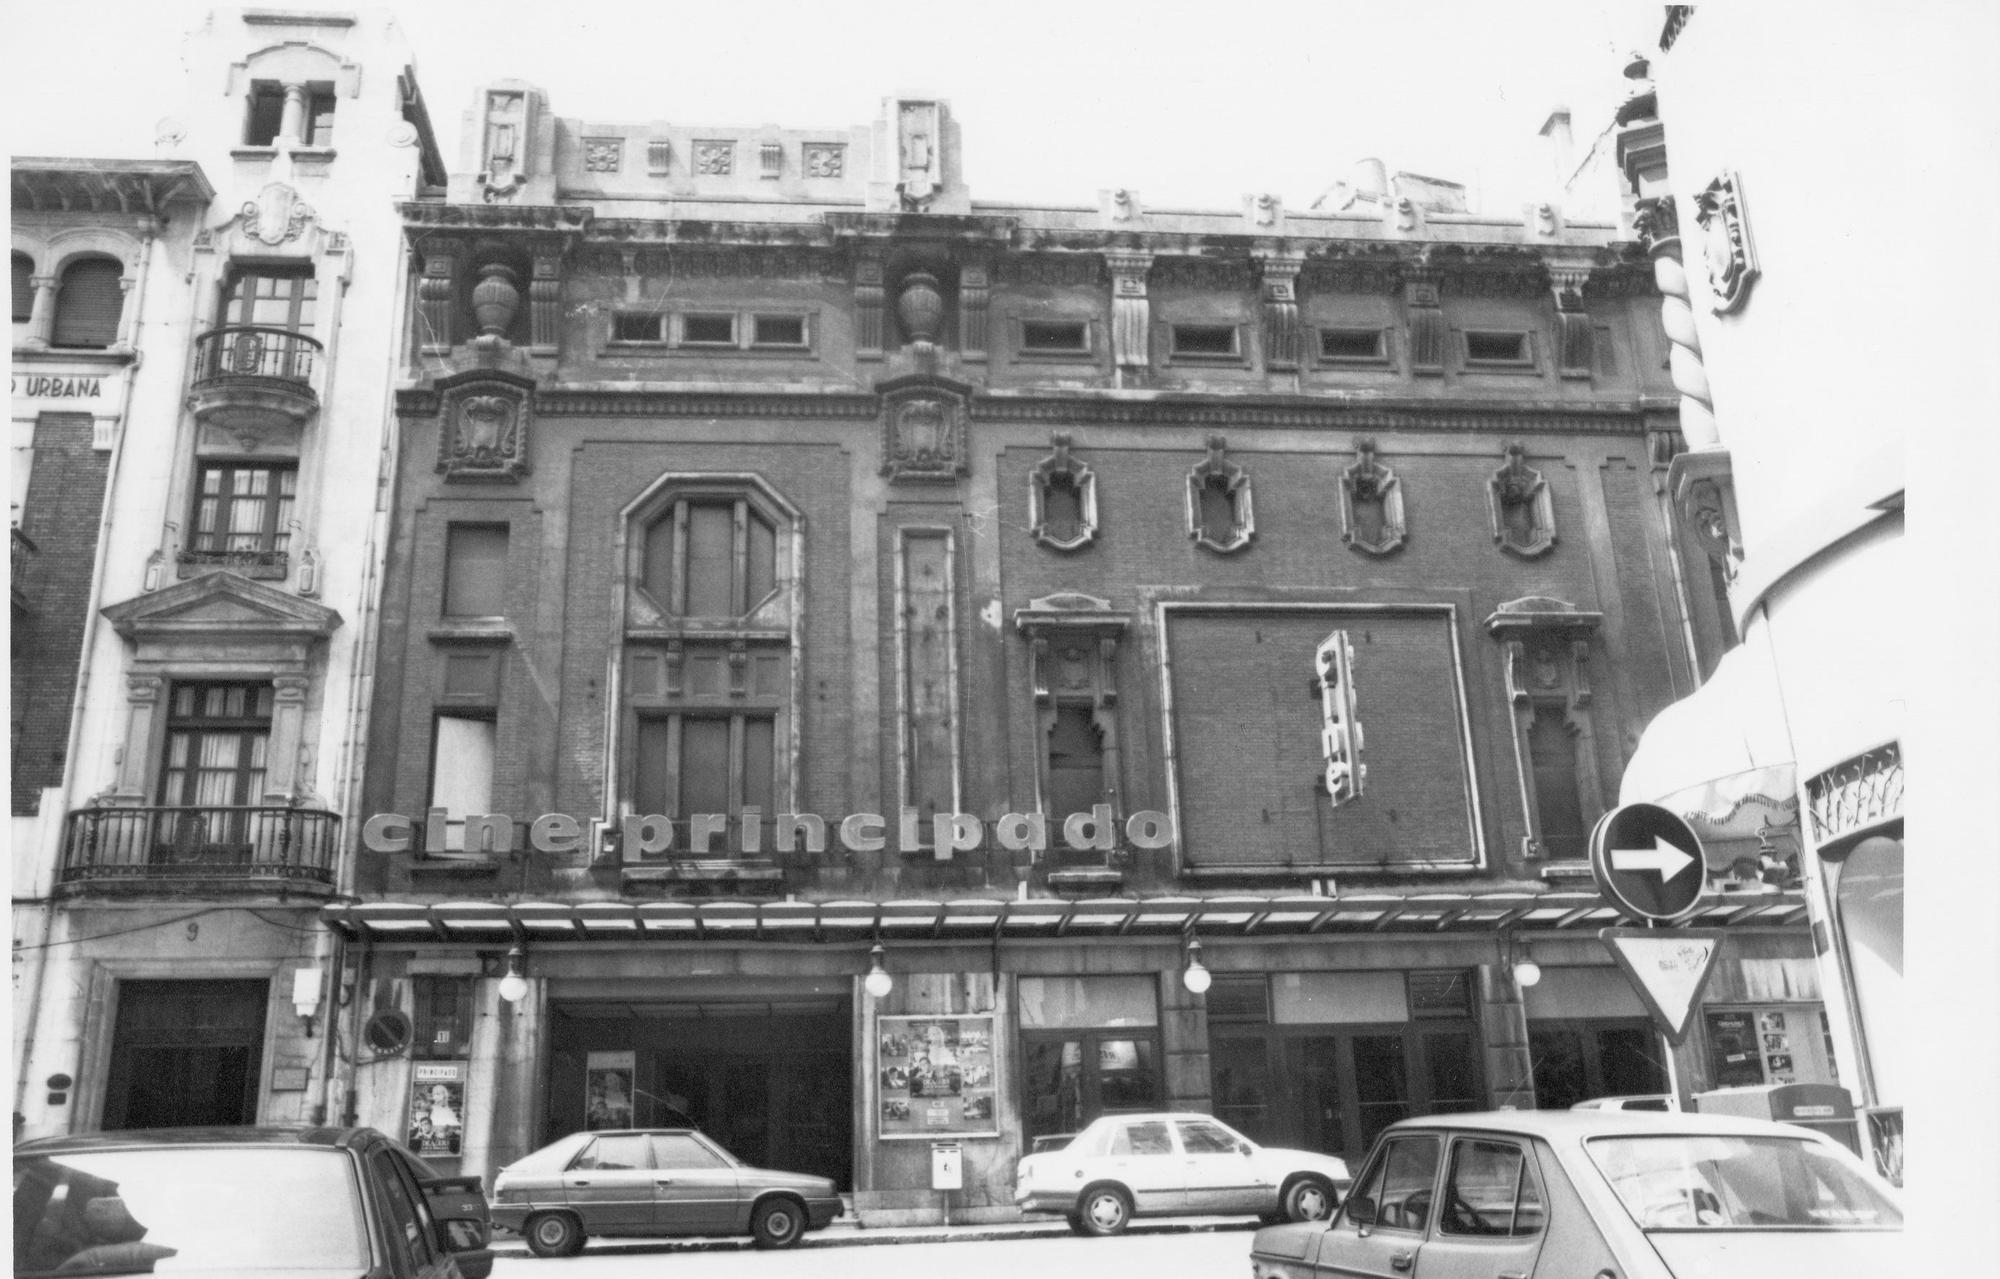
1190,104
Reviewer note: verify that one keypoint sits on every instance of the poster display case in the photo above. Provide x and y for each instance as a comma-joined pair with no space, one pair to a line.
437,1109
934,1077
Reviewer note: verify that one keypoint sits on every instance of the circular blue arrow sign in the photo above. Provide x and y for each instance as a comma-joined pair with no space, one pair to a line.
1648,862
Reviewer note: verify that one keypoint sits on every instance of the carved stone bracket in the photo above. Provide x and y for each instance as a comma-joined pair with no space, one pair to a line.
1219,478
1073,646
1280,302
1728,248
1573,349
1060,470
1426,320
437,293
870,302
1703,485
1523,511
975,290
1131,323
545,303
1371,503
923,431
484,422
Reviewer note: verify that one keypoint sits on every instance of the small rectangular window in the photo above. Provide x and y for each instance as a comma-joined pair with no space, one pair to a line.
635,328
1441,994
708,330
1055,335
1496,348
266,116
475,574
1352,344
778,330
443,1021
319,118
1204,339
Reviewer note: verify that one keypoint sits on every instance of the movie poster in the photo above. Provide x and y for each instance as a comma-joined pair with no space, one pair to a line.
437,1109
935,1076
608,1090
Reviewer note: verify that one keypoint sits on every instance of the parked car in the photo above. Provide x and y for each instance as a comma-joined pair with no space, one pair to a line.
1635,1101
1569,1193
1126,1166
307,1201
653,1181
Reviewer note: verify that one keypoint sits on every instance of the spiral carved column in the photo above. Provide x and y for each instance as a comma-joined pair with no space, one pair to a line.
1659,230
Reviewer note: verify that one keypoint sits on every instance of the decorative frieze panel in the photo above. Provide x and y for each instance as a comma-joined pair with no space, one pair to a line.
1062,499
1203,274
483,429
923,433
1219,511
603,155
1371,503
1057,270
826,159
1523,512
1323,276
714,159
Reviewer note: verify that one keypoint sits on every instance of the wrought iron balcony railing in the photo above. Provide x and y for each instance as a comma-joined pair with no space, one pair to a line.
247,845
250,351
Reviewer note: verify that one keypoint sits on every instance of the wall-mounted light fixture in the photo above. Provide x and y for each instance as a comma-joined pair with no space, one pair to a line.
1195,976
514,987
878,982
306,995
1515,956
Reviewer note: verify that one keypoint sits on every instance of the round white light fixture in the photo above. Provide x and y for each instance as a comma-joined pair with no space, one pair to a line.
514,987
1196,977
878,982
1526,973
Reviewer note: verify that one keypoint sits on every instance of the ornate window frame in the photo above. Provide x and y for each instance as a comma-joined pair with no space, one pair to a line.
1073,661
1218,471
1545,653
1516,484
1369,480
1062,465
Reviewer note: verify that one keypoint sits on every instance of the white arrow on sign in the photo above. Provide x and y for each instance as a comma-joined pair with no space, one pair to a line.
1663,857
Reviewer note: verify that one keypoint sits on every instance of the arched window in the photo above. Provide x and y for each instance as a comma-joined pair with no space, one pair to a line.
88,304
24,287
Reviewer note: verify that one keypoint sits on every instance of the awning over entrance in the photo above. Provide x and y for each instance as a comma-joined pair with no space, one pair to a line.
1722,759
850,921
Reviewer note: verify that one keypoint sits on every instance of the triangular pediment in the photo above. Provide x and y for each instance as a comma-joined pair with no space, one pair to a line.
221,604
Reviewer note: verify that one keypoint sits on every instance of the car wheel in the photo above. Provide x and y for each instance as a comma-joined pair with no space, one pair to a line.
1104,1210
777,1223
554,1234
1308,1198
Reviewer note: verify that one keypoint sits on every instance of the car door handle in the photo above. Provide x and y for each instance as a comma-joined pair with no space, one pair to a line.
1401,1260
668,1181
579,1183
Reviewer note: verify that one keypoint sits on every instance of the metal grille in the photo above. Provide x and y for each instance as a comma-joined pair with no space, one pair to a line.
1864,791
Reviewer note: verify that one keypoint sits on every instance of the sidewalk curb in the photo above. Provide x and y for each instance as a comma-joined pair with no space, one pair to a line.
851,1236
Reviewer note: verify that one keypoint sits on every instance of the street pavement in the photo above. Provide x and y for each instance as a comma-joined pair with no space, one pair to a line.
1166,1249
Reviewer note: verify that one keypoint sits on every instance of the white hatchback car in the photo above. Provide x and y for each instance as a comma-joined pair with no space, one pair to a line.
1125,1166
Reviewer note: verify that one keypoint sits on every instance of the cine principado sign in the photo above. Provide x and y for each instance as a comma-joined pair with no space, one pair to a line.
1648,862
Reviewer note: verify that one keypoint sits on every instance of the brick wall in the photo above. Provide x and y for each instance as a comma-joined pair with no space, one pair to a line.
62,513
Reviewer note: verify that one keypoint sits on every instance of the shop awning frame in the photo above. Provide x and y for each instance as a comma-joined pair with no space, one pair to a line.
977,919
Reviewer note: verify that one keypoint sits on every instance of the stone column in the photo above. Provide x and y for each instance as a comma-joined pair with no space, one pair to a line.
281,758
42,318
1658,225
291,126
142,698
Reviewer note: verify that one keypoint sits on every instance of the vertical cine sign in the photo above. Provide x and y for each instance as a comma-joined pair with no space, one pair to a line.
1340,730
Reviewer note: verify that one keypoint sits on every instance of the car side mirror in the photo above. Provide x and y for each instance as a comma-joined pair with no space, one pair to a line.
1361,1211
458,1206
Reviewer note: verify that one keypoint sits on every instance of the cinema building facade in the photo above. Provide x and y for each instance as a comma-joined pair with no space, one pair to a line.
1304,576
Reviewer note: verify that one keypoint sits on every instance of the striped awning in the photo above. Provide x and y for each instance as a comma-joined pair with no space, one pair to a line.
416,923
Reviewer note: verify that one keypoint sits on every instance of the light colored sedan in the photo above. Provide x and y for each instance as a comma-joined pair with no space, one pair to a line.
1126,1166
672,1181
1586,1194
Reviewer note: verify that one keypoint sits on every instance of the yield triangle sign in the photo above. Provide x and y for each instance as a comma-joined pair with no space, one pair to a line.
1668,967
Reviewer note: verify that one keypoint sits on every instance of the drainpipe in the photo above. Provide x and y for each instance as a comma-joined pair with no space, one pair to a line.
80,693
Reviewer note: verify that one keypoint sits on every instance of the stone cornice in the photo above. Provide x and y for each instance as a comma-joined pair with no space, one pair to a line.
428,216
139,188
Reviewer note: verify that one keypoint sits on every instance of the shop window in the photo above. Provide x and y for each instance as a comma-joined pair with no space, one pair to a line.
1071,1078
1062,498
463,747
443,1021
475,573
24,288
242,518
217,738
89,302
1219,514
272,296
1578,1059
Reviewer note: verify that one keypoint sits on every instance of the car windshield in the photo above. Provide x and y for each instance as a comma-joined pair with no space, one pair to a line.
1706,1182
250,1209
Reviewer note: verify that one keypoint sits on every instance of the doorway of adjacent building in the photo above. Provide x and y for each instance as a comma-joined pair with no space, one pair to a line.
1577,1059
772,1080
186,1054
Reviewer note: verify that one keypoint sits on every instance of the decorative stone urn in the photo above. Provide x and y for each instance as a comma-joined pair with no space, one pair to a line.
496,299
920,307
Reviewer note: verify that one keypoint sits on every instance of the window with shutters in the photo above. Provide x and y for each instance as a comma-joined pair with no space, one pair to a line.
242,518
711,557
272,296
697,763
89,301
463,746
217,736
24,288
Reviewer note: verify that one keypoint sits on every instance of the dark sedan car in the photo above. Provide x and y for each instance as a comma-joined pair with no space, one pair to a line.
654,1181
312,1203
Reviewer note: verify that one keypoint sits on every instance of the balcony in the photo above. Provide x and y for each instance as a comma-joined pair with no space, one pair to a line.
258,849
251,376
271,566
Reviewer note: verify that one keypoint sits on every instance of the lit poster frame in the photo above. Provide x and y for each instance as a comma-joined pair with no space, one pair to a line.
935,1077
